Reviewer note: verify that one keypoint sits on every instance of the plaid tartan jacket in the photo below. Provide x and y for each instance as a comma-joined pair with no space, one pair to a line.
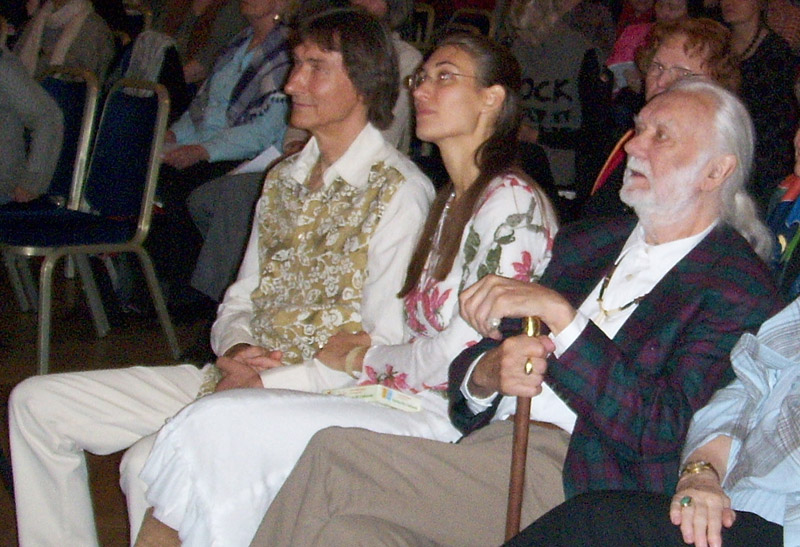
635,395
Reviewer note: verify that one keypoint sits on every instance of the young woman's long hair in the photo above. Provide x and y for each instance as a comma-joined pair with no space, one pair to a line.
496,156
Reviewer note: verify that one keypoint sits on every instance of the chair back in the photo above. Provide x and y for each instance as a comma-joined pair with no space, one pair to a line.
421,28
126,157
472,20
140,16
75,91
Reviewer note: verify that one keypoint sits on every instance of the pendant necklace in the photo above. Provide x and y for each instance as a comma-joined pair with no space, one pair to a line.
604,313
751,46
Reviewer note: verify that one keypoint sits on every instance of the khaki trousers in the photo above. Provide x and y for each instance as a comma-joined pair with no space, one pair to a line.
356,487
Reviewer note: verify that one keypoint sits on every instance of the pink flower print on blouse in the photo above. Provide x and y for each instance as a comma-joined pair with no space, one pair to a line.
438,387
411,303
389,379
432,302
523,270
428,302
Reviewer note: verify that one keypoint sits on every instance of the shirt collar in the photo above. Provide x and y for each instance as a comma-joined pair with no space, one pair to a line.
353,166
680,247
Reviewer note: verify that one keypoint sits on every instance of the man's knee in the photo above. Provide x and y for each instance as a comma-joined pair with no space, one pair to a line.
201,206
29,399
328,440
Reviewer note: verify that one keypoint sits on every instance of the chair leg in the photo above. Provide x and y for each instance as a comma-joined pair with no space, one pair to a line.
16,281
24,267
158,301
99,316
45,298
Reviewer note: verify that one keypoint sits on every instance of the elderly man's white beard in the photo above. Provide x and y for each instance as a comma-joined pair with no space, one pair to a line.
678,193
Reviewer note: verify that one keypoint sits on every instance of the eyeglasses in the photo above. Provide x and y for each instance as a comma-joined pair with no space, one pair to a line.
678,72
440,79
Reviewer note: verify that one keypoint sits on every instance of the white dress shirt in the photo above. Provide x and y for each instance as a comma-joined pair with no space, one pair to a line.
639,267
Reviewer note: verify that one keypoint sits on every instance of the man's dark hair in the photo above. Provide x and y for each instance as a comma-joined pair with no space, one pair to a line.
367,54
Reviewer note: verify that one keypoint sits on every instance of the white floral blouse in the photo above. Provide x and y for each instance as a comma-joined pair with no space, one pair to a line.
510,234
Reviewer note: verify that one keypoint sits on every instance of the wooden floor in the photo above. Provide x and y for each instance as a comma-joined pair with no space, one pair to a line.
75,346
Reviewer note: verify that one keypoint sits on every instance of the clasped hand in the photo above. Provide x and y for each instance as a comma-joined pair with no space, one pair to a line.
241,366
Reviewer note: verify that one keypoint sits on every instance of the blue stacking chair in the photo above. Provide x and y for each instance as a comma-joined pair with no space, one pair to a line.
111,211
75,91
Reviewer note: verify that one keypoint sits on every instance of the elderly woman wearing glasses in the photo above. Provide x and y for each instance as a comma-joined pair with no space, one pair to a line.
489,219
675,50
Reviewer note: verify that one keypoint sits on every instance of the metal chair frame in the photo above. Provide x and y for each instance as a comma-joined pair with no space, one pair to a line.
423,34
80,253
18,266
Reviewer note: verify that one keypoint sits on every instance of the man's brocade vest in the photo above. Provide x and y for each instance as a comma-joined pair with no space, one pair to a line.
312,251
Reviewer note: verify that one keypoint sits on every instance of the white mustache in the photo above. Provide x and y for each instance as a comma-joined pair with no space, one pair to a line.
640,166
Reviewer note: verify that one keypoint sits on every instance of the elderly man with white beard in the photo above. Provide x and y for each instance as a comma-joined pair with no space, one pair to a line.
642,314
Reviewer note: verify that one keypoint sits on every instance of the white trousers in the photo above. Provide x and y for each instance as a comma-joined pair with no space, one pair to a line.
53,419
216,466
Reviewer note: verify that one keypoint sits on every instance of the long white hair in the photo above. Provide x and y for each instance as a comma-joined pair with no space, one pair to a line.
735,135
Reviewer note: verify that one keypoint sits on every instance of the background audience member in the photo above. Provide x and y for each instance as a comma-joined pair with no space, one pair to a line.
31,134
784,221
15,15
740,480
239,111
66,32
783,16
634,12
769,69
563,95
674,50
200,28
486,220
642,317
593,19
633,37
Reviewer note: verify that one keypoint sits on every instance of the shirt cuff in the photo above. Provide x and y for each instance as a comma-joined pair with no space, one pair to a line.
183,129
216,151
475,404
568,336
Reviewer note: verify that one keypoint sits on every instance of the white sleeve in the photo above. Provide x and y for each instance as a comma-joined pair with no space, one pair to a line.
232,325
475,404
510,235
390,250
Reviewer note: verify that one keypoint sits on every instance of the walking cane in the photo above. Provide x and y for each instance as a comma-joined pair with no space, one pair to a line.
519,447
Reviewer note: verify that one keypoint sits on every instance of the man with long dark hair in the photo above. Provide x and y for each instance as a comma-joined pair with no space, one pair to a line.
333,234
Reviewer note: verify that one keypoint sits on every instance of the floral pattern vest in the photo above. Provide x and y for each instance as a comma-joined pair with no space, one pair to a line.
312,251
313,258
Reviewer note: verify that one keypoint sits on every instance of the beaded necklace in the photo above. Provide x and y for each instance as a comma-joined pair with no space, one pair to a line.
604,313
751,46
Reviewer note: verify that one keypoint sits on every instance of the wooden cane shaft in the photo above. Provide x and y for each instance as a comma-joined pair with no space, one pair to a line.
519,455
